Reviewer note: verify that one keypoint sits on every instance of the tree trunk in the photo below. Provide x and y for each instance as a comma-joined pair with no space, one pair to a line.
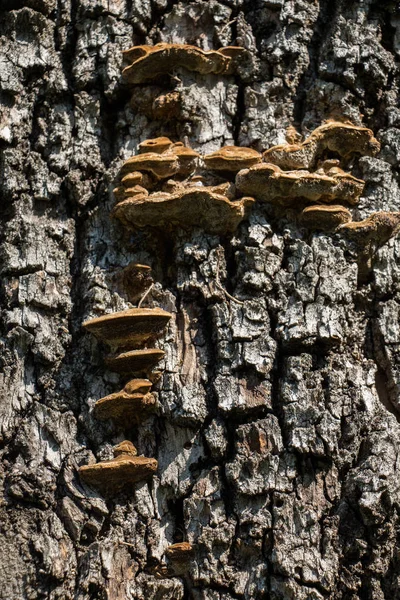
277,434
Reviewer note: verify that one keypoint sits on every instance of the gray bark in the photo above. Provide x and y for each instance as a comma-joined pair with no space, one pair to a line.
277,432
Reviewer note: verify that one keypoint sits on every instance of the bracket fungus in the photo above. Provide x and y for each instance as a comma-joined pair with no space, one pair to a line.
189,207
342,138
125,468
135,361
326,218
132,404
175,159
157,145
267,182
132,326
232,158
378,227
180,552
148,62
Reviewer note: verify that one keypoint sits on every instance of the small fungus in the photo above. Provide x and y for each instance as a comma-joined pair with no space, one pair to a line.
160,165
181,552
232,158
138,386
176,159
135,361
125,468
187,208
187,158
128,327
125,447
148,62
269,183
378,227
157,145
326,218
342,138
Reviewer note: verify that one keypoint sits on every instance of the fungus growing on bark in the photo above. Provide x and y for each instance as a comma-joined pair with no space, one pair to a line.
160,165
342,138
327,218
135,361
125,447
128,327
176,159
134,178
148,62
125,468
187,208
124,408
180,552
157,145
378,227
232,158
269,183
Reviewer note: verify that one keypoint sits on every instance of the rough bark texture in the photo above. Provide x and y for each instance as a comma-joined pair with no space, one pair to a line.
277,433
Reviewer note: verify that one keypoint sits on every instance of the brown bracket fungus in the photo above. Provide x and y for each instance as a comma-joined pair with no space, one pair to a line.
135,361
176,159
157,145
342,138
326,218
125,468
378,227
180,552
131,404
269,183
148,62
188,208
128,327
160,165
232,158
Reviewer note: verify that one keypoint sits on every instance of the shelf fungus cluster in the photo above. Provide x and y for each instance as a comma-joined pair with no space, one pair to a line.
168,185
149,62
128,333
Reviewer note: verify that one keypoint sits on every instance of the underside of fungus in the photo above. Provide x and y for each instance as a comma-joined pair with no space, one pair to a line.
125,468
129,327
135,361
343,139
148,62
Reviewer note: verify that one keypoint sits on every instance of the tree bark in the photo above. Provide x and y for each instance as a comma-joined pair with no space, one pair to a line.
277,434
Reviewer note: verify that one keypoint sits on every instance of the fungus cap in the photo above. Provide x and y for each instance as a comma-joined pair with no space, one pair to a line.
188,208
157,145
135,361
325,217
132,326
148,62
124,408
232,158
